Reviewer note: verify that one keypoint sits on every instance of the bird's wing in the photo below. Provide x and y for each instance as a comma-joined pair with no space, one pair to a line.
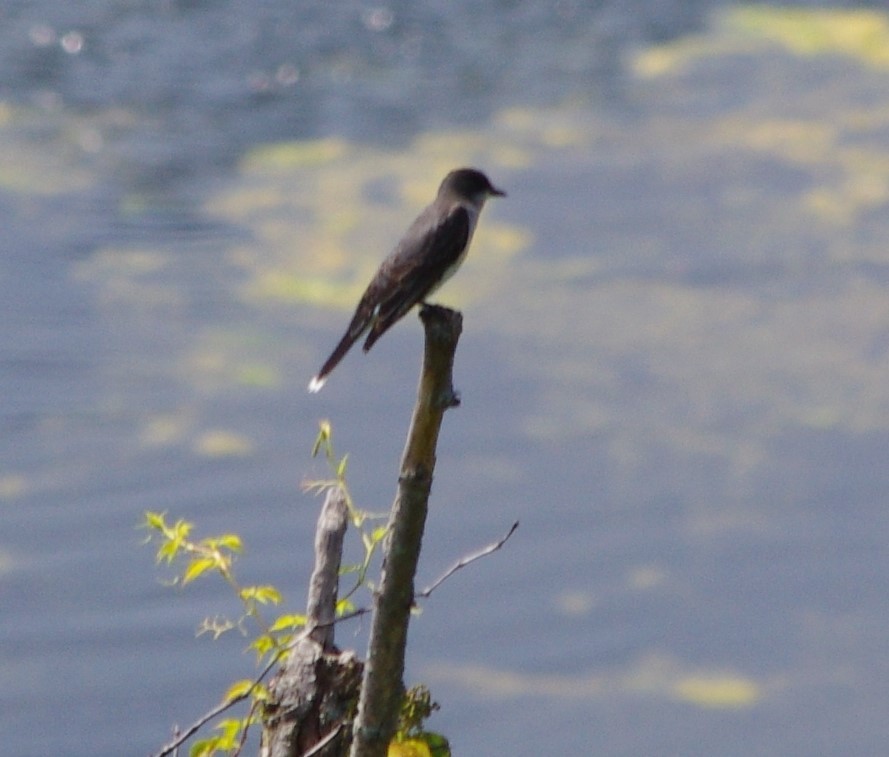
410,273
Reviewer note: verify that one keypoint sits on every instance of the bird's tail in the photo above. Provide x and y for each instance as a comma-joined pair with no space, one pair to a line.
360,323
333,361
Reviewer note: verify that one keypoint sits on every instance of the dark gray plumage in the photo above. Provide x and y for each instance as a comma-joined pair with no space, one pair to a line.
428,254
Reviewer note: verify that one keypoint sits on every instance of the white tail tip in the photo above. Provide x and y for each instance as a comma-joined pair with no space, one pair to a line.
315,384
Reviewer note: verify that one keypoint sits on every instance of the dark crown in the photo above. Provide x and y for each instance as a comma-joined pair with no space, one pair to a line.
469,182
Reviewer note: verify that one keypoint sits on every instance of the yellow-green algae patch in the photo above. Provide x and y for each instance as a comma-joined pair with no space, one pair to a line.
218,443
324,213
12,485
651,676
717,692
50,151
859,34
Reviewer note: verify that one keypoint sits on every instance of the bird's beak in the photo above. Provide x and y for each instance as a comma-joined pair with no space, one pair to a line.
496,192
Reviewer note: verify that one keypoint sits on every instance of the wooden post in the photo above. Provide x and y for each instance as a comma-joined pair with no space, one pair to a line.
382,687
316,688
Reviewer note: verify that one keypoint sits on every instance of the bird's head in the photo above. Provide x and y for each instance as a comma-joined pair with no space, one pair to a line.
469,184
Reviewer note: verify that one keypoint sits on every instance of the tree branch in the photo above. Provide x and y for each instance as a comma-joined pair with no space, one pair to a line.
324,583
466,560
316,686
182,736
382,687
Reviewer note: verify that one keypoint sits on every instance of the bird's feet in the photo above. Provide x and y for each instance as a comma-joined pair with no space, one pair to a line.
433,310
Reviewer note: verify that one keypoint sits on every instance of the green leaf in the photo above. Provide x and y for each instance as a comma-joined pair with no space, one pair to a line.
262,645
155,521
204,747
323,438
408,748
230,541
269,595
167,552
344,605
231,730
438,744
341,468
263,594
181,530
197,567
288,623
239,689
260,694
379,533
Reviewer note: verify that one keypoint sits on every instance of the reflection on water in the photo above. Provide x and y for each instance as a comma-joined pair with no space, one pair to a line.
673,370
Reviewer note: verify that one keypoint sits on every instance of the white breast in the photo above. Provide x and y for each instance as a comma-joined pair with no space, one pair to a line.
473,212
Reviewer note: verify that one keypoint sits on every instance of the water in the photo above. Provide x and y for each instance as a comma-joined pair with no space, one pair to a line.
673,369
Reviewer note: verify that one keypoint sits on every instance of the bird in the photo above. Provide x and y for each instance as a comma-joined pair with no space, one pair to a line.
429,253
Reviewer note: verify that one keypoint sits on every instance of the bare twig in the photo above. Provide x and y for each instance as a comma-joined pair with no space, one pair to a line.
185,735
321,620
464,561
180,737
243,739
327,739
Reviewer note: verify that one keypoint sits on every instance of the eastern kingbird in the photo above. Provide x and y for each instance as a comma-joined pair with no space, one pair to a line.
428,254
